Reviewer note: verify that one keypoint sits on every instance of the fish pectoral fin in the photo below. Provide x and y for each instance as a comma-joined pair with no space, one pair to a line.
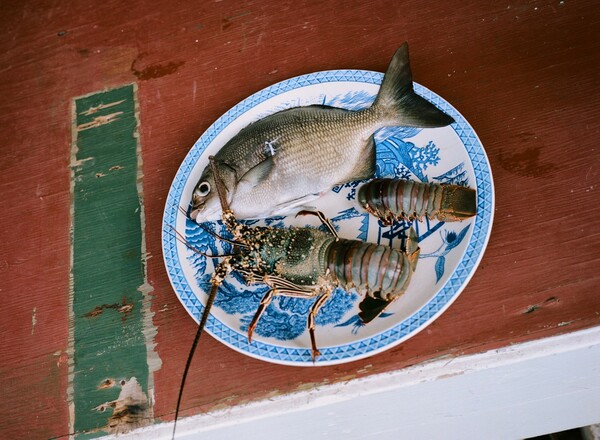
365,168
258,173
292,206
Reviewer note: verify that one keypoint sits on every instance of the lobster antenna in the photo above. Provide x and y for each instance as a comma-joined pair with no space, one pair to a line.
222,269
183,211
208,231
219,184
209,303
227,240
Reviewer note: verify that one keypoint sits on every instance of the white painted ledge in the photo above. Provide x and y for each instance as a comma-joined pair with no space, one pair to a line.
516,392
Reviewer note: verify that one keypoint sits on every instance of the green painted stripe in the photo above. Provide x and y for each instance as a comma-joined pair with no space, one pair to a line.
108,274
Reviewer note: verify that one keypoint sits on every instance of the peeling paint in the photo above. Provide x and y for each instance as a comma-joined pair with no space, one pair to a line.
108,383
153,360
33,320
155,70
97,108
129,411
531,309
98,310
99,121
547,302
365,369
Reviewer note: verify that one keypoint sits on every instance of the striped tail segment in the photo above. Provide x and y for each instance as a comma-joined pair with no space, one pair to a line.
379,271
395,199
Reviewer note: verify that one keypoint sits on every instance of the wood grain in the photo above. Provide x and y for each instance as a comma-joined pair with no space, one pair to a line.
524,74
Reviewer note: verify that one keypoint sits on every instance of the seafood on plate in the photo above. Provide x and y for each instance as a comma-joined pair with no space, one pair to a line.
400,199
278,164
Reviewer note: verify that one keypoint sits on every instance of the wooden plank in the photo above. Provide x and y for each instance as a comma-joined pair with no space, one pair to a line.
523,74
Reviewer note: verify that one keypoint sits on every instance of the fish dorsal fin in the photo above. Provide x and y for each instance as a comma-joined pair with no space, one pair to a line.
258,173
326,107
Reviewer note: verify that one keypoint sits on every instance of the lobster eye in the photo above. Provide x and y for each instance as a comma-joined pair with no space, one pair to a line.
203,189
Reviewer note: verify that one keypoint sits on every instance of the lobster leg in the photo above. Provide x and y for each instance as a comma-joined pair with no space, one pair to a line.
412,247
279,287
322,299
323,219
264,303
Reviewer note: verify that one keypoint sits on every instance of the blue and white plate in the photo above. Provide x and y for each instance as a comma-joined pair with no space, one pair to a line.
450,252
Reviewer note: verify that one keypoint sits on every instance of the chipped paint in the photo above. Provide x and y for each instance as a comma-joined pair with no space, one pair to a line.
123,308
33,320
108,383
130,410
96,109
99,121
156,70
548,302
153,360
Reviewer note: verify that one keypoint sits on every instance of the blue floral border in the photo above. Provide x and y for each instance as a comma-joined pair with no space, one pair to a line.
373,344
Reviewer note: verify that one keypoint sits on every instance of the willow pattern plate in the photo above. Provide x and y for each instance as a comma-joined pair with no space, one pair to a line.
450,252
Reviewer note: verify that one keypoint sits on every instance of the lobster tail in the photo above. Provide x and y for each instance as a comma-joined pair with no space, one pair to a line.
459,202
395,199
379,271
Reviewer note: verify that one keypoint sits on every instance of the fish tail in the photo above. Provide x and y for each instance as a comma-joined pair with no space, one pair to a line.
398,100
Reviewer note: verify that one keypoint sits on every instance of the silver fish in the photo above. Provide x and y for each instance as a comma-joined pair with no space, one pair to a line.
278,164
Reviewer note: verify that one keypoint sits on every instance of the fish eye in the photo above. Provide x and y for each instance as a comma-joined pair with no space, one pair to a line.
203,188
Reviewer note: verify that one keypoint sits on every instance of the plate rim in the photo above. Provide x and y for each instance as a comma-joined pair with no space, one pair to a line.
399,332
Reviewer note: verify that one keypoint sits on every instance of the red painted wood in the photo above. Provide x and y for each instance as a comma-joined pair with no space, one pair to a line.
524,74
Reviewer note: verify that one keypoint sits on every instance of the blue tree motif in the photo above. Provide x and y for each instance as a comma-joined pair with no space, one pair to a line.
231,299
423,157
395,156
201,238
337,306
276,222
454,176
396,231
402,172
285,318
